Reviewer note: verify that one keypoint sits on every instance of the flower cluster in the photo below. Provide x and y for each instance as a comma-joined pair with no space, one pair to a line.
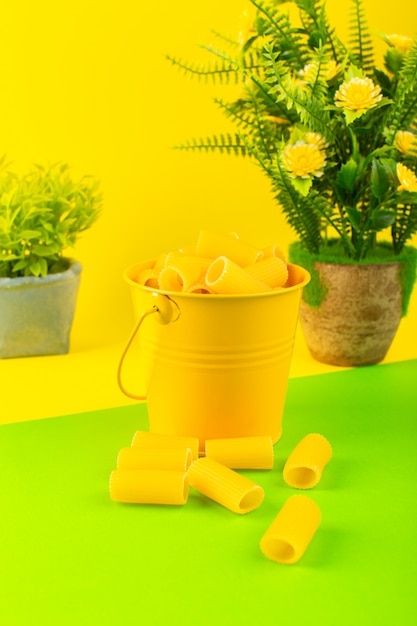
334,131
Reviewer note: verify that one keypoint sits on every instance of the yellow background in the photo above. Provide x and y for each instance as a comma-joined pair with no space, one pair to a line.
87,82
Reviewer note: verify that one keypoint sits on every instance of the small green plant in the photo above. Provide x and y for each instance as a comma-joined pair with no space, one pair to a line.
42,213
334,133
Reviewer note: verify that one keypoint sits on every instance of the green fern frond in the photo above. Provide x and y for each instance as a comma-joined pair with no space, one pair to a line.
248,62
228,40
403,113
317,83
320,32
305,223
360,40
309,109
406,222
216,143
408,73
222,71
237,112
287,39
272,106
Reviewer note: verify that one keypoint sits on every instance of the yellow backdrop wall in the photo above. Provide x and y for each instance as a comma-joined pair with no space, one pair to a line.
87,82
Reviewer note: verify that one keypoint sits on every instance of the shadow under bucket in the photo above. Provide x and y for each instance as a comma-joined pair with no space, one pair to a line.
215,366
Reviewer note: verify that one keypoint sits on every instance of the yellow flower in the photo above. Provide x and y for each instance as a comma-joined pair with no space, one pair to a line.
407,178
358,94
402,43
405,141
317,139
303,160
331,69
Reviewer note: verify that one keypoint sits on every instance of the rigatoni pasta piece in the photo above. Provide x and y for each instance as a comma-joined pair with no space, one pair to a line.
304,466
272,271
149,486
160,262
181,272
274,251
242,452
224,486
149,278
145,439
140,457
291,532
200,288
226,277
213,244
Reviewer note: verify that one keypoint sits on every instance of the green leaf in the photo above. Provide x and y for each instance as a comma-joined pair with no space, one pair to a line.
43,264
354,217
394,59
45,250
4,225
346,176
383,218
35,268
383,80
380,178
30,234
302,185
20,265
351,116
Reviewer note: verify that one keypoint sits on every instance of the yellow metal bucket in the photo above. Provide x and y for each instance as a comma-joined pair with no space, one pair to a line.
215,366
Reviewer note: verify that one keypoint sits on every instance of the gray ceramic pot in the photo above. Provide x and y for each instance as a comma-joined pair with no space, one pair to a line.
36,313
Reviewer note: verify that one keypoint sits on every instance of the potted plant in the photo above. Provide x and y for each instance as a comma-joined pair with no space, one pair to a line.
335,133
41,213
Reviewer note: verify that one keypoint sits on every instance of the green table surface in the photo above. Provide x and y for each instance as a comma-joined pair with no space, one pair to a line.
69,555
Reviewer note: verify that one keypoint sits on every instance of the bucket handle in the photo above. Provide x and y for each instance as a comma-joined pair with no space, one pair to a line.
168,311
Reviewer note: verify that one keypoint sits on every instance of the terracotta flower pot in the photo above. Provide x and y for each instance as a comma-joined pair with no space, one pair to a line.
354,314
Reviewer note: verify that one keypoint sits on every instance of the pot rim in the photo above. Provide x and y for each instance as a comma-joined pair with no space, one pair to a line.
73,270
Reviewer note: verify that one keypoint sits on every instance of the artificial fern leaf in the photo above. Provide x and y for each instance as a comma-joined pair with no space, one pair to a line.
222,71
309,109
403,113
216,143
287,39
360,41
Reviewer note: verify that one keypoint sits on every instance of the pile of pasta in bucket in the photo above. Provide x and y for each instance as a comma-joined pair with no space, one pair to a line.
218,264
160,469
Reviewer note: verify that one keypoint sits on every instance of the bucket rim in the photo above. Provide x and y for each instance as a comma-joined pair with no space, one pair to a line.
214,296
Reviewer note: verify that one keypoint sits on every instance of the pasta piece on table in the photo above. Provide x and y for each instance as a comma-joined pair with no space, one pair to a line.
289,535
304,466
140,457
149,486
223,485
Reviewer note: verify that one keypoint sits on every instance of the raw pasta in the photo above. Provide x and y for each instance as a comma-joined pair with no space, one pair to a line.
290,533
219,263
223,485
225,276
271,271
141,457
148,486
306,462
